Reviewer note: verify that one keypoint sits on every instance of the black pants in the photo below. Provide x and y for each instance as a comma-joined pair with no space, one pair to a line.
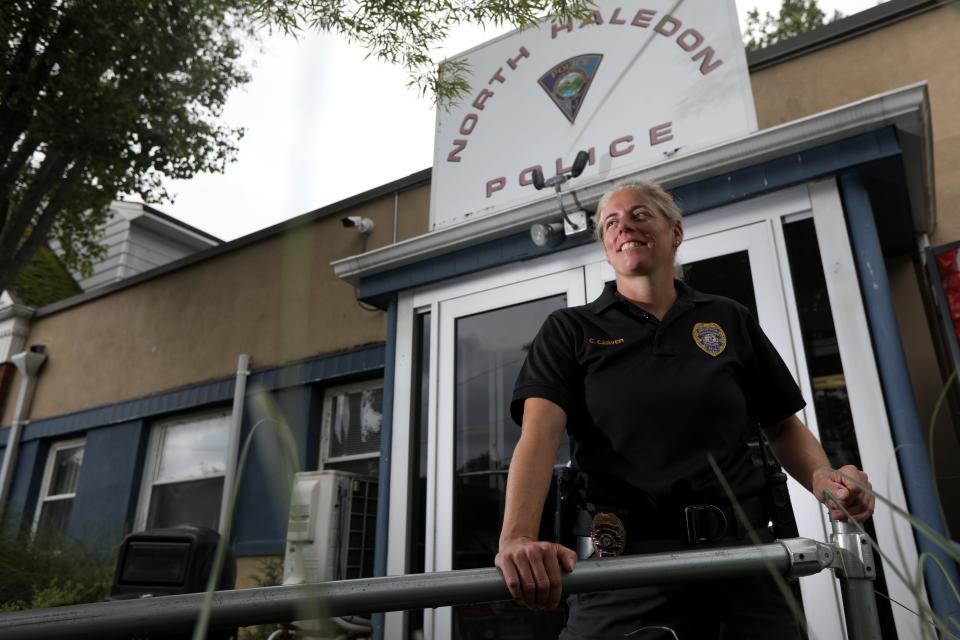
741,609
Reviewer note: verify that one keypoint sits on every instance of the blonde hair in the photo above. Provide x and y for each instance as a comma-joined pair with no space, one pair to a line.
657,195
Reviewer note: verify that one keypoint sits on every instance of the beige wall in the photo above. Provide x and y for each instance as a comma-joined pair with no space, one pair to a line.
277,300
415,200
910,51
251,571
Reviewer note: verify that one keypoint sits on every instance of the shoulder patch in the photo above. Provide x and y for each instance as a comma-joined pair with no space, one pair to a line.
710,337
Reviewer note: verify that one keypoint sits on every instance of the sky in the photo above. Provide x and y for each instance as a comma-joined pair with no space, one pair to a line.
322,123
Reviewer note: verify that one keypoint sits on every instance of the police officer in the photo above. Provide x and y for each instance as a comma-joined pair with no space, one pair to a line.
652,381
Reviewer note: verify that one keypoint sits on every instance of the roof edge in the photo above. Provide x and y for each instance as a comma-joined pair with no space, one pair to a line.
828,35
890,108
400,185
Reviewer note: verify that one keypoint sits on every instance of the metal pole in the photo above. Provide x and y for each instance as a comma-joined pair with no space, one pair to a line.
856,570
233,441
244,607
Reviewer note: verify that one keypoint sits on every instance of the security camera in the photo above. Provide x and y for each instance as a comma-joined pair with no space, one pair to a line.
363,225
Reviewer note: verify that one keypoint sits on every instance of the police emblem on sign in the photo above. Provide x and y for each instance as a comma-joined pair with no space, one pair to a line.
567,83
710,337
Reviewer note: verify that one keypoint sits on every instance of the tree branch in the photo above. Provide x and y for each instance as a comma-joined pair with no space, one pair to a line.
47,175
16,105
38,234
40,231
10,171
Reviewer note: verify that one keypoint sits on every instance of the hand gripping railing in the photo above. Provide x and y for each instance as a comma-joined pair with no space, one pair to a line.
848,555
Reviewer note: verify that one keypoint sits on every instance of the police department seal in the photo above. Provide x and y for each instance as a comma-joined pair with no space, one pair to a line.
710,337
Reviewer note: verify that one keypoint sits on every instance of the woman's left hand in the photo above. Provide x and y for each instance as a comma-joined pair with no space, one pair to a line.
847,486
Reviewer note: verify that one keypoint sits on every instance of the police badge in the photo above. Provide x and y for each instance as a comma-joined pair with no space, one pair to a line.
710,337
567,83
608,535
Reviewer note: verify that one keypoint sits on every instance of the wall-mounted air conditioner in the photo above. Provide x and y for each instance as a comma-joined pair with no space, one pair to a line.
330,536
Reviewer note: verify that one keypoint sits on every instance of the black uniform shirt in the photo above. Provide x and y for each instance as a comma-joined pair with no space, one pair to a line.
647,400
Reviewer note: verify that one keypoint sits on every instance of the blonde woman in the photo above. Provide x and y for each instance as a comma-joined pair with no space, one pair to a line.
651,381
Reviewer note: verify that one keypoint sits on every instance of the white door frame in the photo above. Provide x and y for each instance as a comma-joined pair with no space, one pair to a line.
569,282
500,287
874,437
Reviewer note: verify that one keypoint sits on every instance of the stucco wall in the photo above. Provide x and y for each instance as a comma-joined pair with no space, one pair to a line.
906,52
277,300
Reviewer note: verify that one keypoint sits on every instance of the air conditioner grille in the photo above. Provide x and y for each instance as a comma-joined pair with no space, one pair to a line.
361,523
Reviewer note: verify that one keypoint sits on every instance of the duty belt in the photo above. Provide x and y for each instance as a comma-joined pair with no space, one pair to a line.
609,531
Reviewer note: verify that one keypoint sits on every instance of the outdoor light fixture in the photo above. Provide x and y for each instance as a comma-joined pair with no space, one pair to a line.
363,225
547,234
551,234
579,164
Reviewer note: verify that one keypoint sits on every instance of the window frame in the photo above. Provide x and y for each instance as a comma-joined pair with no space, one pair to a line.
329,393
152,458
43,497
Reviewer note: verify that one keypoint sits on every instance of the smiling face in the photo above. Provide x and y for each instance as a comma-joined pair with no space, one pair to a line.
637,238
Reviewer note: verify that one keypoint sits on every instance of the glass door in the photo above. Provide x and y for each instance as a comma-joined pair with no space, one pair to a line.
483,341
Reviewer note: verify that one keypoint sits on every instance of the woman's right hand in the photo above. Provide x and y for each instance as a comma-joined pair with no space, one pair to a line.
533,570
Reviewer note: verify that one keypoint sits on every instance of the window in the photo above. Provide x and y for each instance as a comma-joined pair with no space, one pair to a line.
183,476
58,490
352,415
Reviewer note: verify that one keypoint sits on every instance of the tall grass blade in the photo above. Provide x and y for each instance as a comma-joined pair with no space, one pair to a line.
778,579
272,417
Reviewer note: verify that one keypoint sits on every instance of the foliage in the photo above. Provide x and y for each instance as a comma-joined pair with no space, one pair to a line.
99,99
795,17
405,32
270,574
36,575
44,280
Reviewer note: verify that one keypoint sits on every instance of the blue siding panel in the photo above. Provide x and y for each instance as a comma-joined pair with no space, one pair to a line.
786,170
747,181
27,477
109,482
264,498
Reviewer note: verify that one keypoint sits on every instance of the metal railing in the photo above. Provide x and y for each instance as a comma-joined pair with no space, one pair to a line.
849,555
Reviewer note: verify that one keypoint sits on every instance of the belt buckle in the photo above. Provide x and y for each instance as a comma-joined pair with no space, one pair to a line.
692,513
608,534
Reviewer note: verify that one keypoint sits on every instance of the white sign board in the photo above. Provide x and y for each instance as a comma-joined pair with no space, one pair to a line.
637,83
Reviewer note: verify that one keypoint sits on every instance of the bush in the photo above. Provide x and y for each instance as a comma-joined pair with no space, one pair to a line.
35,575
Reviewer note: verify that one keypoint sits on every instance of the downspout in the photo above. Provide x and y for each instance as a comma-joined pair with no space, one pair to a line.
901,404
233,441
386,438
28,363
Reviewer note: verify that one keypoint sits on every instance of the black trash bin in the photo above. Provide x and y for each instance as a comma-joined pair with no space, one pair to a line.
163,562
